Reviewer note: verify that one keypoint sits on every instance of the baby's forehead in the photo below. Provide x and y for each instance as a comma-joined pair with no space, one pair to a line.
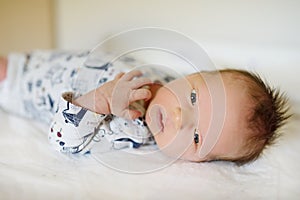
232,143
238,108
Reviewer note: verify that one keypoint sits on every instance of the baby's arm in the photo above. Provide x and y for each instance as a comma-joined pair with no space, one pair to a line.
74,128
114,97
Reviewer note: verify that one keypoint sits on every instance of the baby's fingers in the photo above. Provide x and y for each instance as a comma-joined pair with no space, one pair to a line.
119,75
139,82
130,75
140,94
131,114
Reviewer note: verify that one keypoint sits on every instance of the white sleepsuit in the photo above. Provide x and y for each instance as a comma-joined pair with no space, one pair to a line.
41,84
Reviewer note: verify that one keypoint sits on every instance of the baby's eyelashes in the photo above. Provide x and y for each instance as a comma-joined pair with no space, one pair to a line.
196,136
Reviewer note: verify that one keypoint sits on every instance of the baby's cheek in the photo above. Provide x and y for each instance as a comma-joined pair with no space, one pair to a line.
158,139
163,139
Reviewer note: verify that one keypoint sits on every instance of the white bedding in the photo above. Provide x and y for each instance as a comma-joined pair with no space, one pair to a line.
35,171
258,35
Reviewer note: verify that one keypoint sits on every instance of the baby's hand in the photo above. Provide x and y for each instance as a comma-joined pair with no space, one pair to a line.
114,97
125,90
3,68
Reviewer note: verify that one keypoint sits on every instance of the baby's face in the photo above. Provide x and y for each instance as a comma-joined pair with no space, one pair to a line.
175,113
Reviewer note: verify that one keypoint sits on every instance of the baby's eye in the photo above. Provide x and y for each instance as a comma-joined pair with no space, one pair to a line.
196,136
193,97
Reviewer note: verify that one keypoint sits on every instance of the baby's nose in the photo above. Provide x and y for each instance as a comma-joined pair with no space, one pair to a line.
182,118
177,118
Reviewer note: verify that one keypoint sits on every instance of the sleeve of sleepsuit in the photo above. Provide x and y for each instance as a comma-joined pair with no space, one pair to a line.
73,128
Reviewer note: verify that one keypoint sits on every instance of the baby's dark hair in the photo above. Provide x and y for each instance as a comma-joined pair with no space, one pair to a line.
268,112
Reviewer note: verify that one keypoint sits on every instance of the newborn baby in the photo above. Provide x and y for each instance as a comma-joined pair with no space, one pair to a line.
177,111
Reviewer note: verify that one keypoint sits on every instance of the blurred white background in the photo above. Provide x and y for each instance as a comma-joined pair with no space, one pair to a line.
261,35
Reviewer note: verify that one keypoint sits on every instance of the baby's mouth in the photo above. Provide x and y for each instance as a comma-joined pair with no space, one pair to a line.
160,120
157,124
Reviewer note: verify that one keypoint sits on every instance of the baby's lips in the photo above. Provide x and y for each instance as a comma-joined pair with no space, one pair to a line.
155,124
